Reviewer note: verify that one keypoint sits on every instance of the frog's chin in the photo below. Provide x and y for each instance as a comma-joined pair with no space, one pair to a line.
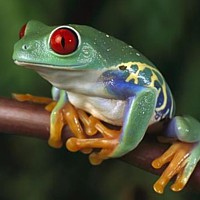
40,66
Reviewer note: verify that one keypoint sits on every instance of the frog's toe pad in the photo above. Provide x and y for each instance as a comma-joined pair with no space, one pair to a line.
161,183
178,185
72,144
95,159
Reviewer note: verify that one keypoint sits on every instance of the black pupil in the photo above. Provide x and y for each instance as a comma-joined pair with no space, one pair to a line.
63,42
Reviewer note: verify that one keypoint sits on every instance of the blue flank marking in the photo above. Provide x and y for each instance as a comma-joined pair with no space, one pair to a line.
117,86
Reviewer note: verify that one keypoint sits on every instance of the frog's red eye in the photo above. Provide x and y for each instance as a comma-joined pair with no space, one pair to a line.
64,41
22,31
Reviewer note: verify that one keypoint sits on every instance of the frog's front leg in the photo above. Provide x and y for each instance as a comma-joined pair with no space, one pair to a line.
62,113
57,120
31,98
182,156
137,115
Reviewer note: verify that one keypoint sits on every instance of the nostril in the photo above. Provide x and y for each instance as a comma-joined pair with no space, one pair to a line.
24,47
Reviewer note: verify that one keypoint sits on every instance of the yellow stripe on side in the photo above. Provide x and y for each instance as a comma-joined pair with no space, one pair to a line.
135,77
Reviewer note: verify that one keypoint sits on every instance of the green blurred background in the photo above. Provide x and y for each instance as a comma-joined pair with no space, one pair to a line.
167,32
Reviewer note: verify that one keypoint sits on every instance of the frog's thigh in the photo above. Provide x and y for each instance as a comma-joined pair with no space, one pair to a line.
138,113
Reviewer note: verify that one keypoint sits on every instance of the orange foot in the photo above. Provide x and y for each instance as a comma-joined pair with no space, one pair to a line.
60,116
65,115
106,143
180,164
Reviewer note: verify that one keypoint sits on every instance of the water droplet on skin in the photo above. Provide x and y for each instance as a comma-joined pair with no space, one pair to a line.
109,49
137,54
107,36
130,46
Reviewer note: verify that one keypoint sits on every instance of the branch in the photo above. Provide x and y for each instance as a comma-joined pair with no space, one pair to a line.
29,119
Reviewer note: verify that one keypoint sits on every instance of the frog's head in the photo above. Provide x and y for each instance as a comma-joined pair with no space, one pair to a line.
52,51
69,47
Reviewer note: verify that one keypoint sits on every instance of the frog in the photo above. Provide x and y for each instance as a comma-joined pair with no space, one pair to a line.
98,79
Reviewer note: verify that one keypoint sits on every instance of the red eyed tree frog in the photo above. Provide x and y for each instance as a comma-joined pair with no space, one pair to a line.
97,78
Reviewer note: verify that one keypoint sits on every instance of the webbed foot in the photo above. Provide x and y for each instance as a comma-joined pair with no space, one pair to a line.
182,158
106,143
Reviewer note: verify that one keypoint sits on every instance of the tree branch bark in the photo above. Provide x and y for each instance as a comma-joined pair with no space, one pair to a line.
30,119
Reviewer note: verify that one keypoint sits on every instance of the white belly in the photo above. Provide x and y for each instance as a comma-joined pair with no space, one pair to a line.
108,110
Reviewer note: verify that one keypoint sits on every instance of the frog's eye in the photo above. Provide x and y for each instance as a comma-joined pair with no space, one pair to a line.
22,31
64,41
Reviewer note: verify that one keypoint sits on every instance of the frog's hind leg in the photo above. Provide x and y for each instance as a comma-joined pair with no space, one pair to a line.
115,143
182,156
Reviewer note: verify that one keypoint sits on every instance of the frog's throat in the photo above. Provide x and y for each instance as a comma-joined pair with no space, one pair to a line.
78,80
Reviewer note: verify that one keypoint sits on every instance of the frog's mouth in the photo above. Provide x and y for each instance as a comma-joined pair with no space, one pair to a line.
40,66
